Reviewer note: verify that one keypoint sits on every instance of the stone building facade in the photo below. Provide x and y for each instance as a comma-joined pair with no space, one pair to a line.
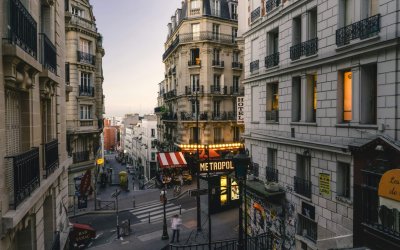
321,92
203,72
33,155
84,91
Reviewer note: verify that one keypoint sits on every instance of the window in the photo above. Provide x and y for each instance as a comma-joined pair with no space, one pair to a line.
304,35
218,135
86,112
368,94
195,56
271,172
216,108
273,42
296,99
153,132
196,31
78,12
215,31
255,104
271,157
347,96
304,109
343,180
235,84
194,135
216,57
236,134
195,7
195,106
272,109
153,144
302,180
195,82
354,9
254,64
217,81
84,46
234,12
216,7
235,56
85,80
234,34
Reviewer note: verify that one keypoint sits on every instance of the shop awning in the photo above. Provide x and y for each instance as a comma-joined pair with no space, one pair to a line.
171,160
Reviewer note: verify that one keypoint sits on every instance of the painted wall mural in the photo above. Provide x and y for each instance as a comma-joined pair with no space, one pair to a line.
278,219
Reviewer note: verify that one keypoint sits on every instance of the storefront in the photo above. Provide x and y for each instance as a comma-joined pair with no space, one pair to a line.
172,165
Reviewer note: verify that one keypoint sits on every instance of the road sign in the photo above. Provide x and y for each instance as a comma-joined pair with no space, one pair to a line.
100,161
116,193
195,192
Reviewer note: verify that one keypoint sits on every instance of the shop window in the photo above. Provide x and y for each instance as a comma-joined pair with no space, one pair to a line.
224,193
234,190
343,180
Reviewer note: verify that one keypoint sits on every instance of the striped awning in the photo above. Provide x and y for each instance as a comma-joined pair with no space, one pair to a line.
171,160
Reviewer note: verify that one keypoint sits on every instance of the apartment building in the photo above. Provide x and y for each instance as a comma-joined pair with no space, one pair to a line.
203,72
84,91
33,155
321,117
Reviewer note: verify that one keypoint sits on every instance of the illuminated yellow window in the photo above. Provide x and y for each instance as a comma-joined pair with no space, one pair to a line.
315,93
224,195
347,97
234,190
275,97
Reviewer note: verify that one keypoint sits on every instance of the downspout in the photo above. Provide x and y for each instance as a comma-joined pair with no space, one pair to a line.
396,75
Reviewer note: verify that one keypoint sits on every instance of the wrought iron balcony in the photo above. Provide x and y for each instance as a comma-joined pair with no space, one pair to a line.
170,94
80,156
192,90
254,65
86,91
218,63
86,123
223,116
307,48
271,174
195,11
206,36
171,48
48,56
185,116
217,89
271,5
237,65
307,228
86,58
302,187
362,29
22,28
272,115
25,173
51,157
82,22
237,90
255,14
169,117
272,60
193,63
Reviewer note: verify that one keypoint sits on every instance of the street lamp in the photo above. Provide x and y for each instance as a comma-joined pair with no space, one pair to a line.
240,163
115,195
165,231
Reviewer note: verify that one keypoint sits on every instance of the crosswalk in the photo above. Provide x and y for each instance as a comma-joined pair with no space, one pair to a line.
156,211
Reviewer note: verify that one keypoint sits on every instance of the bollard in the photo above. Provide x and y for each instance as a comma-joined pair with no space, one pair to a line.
180,209
149,217
129,223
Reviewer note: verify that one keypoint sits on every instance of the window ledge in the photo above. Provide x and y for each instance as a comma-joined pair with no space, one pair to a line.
344,200
255,122
272,68
356,42
314,124
271,122
361,126
303,58
301,196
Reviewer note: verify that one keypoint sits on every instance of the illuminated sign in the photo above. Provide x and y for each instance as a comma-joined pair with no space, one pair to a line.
216,166
100,161
240,110
389,186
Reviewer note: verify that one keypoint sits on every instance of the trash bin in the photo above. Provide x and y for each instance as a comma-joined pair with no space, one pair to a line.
123,180
125,228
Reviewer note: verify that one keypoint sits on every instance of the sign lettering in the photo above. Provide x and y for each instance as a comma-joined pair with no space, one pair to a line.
324,184
240,110
216,166
389,186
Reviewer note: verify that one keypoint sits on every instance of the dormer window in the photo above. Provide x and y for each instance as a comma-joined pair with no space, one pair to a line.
216,7
78,12
234,14
194,7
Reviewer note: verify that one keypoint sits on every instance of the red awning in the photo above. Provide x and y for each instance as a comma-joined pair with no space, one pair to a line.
212,153
171,160
82,227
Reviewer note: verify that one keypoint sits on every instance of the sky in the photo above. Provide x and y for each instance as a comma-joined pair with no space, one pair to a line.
134,33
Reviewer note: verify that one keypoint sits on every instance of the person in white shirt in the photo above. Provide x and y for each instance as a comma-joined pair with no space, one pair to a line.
176,223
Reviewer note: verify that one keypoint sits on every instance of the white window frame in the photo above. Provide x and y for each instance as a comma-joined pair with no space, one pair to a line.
85,112
84,45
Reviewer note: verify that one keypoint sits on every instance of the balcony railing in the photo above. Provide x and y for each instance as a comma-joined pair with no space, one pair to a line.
48,53
254,65
87,24
25,173
173,45
192,116
86,58
237,90
86,123
86,91
272,4
302,187
216,89
307,228
170,94
196,62
218,63
195,11
223,116
272,115
237,65
80,156
271,174
169,117
51,157
192,91
255,14
22,28
205,36
272,60
363,29
307,48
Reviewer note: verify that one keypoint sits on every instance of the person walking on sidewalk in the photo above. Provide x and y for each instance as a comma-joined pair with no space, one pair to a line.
176,223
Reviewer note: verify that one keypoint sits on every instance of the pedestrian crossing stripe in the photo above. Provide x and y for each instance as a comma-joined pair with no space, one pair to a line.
156,211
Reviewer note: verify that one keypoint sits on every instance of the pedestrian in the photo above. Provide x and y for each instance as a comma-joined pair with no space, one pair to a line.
180,178
176,223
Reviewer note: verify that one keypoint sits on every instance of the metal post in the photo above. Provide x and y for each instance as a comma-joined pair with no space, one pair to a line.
198,165
133,202
116,198
149,217
245,215
209,199
240,243
180,209
165,231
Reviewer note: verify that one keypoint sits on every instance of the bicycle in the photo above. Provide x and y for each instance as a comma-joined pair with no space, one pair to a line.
177,190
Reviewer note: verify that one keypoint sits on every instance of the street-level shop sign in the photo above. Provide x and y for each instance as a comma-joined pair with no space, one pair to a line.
324,184
213,166
389,186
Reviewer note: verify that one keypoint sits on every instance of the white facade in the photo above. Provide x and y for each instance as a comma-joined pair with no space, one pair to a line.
310,94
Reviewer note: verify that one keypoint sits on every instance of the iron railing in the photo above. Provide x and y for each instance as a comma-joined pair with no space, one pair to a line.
307,228
84,23
271,174
25,174
223,116
86,91
272,60
272,115
237,90
362,29
217,89
302,186
51,157
196,62
185,116
84,57
171,48
22,28
271,5
307,48
169,117
218,63
48,53
192,90
85,123
255,14
170,94
254,65
80,156
237,65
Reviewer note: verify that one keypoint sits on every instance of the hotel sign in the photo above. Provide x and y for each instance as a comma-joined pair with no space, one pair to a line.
216,166
389,186
240,110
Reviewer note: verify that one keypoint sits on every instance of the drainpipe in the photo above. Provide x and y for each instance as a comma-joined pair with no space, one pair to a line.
396,75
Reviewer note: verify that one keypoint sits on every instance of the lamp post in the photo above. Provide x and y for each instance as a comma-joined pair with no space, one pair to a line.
115,195
165,231
196,88
241,162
